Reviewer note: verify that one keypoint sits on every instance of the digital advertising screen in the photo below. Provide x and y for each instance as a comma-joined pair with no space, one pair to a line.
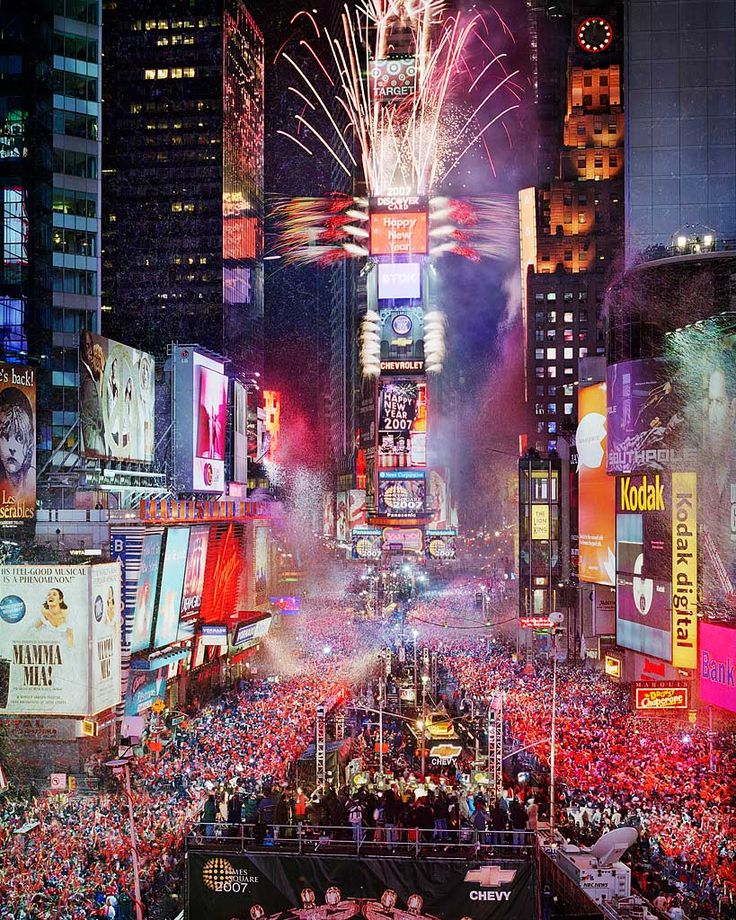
393,80
643,615
399,280
145,598
403,539
401,493
172,583
596,491
211,429
116,399
402,340
717,665
260,551
223,573
645,417
441,544
367,543
402,424
17,442
399,234
249,633
191,596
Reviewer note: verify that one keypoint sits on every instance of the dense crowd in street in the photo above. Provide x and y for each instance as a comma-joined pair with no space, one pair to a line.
68,858
617,768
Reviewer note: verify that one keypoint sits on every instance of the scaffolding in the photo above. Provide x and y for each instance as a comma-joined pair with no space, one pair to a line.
334,699
495,746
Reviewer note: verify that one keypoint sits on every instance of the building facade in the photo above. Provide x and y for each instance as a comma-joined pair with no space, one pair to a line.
681,135
50,98
183,178
572,221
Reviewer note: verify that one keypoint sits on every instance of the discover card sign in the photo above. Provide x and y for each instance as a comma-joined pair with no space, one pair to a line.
224,886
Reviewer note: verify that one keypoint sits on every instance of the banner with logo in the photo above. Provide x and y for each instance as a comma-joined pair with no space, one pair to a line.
402,424
269,885
684,570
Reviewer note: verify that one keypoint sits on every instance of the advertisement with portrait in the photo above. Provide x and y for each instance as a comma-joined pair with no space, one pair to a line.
706,354
643,616
224,572
191,597
441,544
367,543
597,491
717,665
172,582
260,555
116,399
328,514
240,432
200,421
17,442
402,424
59,633
401,493
144,688
438,499
105,663
356,507
402,340
645,417
342,518
146,593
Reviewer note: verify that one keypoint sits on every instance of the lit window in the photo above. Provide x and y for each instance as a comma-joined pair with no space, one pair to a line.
552,427
189,207
539,372
551,334
188,71
162,73
567,389
150,75
551,408
567,355
552,316
539,354
176,73
581,218
567,317
177,206
583,352
568,335
567,409
551,296
551,354
569,371
552,372
539,408
150,24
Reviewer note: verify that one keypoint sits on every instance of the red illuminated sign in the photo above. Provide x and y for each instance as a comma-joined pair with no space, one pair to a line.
395,233
662,697
225,565
534,623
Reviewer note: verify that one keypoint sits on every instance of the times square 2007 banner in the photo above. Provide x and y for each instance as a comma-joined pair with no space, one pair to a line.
266,886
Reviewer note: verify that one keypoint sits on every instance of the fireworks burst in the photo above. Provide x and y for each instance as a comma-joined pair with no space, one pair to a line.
450,78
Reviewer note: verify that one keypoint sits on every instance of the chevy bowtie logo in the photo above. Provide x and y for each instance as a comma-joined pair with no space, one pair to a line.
489,877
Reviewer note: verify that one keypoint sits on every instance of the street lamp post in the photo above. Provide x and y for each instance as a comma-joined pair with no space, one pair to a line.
122,763
556,620
425,679
415,634
381,685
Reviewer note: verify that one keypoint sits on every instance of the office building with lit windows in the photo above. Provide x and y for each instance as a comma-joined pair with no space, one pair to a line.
183,177
572,221
50,193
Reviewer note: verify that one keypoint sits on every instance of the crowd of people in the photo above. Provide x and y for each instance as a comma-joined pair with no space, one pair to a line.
615,768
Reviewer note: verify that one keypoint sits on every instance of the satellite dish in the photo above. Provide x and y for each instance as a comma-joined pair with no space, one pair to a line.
612,846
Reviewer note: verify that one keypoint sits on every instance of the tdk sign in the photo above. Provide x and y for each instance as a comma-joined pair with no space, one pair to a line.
646,495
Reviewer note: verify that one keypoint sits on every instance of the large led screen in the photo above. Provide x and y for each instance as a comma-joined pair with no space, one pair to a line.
398,234
116,399
597,491
191,597
172,583
401,493
399,281
17,442
145,598
402,424
717,665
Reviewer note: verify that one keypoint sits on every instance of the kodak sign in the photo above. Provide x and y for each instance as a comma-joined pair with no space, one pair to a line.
641,494
684,570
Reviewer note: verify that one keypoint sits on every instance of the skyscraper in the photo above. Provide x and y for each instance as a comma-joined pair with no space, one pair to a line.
50,189
680,70
183,177
572,222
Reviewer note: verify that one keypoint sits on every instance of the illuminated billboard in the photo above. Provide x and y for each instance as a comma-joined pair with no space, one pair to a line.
401,493
717,665
260,556
200,421
402,340
393,80
240,432
367,543
223,573
342,518
145,598
116,400
441,544
398,234
644,416
249,634
399,280
402,424
658,698
191,597
328,515
60,639
173,569
403,539
596,491
17,442
643,616
684,570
